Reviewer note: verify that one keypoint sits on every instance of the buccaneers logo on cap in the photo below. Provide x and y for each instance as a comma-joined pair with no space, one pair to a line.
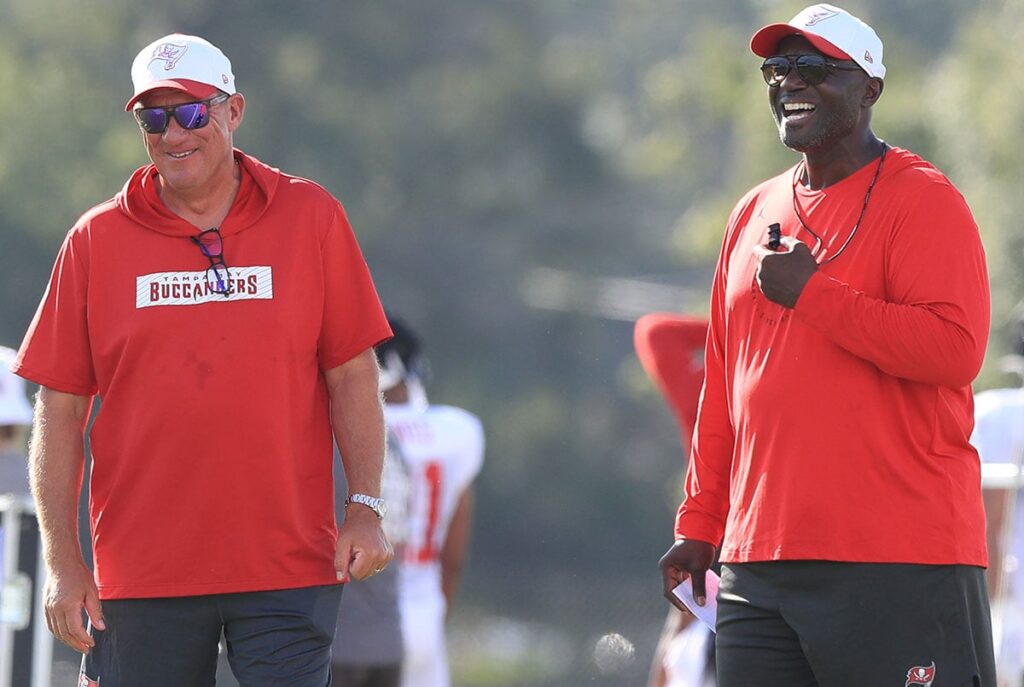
169,53
818,16
921,675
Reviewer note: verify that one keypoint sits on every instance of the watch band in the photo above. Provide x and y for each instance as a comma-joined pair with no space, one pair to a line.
377,505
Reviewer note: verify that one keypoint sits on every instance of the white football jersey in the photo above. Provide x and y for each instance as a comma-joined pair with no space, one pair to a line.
999,438
443,448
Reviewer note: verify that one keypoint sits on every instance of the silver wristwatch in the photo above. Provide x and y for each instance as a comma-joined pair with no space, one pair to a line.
376,505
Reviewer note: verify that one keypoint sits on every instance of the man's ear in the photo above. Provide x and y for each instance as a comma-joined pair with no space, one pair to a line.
236,111
872,91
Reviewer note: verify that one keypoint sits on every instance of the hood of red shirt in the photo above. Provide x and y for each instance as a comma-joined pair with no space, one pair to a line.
140,201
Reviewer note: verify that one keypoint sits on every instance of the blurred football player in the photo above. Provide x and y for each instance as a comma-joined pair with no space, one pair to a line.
443,449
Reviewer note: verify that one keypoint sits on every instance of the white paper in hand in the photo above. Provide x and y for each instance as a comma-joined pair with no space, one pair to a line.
709,611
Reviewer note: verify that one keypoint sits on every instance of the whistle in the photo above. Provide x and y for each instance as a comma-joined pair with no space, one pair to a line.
774,236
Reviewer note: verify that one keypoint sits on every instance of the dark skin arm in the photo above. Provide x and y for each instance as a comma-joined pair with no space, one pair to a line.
686,558
783,274
456,544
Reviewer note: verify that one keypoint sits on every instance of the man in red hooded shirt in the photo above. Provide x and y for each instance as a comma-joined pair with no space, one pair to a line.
849,315
223,312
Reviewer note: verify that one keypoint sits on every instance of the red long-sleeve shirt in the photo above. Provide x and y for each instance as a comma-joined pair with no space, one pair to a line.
838,430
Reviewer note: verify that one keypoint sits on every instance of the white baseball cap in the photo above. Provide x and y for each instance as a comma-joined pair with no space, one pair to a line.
14,407
186,63
833,31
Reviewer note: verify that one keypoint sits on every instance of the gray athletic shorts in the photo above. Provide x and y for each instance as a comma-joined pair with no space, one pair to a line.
825,624
280,637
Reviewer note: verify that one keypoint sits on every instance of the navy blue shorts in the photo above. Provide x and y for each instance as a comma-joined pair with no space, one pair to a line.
280,637
824,624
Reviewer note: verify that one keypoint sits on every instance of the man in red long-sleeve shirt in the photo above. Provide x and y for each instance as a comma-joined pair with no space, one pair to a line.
849,315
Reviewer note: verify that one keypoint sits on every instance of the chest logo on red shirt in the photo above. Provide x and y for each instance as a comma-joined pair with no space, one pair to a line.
921,675
192,288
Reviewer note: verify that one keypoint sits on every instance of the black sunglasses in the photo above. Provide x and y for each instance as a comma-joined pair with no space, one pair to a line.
813,69
155,120
212,246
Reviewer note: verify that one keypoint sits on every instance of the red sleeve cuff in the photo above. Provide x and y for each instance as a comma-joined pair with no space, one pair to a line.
371,340
693,525
50,382
815,296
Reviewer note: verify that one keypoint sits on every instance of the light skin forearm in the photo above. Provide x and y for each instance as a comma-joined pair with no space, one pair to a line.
56,465
357,418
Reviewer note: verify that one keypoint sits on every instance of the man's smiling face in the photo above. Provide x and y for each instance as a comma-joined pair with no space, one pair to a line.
189,158
816,117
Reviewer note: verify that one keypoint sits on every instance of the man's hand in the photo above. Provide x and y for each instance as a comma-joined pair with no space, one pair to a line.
783,274
67,593
363,550
686,558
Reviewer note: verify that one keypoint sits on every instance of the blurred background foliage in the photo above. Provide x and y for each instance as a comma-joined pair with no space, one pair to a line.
526,177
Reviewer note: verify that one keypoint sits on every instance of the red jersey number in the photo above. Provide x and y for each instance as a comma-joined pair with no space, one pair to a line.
428,551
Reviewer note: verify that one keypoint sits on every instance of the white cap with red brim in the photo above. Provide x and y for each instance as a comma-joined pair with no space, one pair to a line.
184,63
832,31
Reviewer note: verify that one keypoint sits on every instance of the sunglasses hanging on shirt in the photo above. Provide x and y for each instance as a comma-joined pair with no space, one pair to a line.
211,244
